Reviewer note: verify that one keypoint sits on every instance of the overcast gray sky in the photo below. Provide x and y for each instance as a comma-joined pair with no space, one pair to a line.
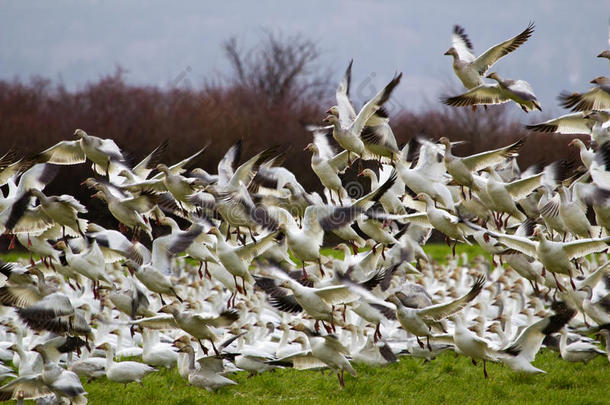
155,41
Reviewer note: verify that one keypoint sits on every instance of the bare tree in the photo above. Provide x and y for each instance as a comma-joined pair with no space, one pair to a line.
283,69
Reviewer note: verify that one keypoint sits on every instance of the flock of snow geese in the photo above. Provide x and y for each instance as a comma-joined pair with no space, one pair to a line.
220,290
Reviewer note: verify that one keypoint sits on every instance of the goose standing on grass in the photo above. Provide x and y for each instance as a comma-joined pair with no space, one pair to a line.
208,375
470,70
124,372
577,351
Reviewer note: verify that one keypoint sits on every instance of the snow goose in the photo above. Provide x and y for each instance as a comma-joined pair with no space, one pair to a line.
502,197
153,279
594,124
419,321
155,353
316,302
519,354
519,91
209,375
501,92
123,372
597,98
374,353
106,156
52,380
63,210
326,169
586,155
198,325
573,214
197,249
599,199
128,211
89,367
237,259
326,349
600,167
555,256
17,214
377,135
470,344
461,168
428,174
41,246
390,200
577,351
349,136
441,220
598,311
470,69
115,246
89,262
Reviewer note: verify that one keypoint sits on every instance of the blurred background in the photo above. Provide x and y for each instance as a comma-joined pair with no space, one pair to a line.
140,72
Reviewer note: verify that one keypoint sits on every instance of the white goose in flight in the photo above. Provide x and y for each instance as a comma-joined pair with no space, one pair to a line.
470,70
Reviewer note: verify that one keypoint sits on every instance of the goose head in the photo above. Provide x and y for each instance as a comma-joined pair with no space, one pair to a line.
105,347
578,143
538,233
368,173
311,147
169,308
300,340
598,116
494,76
331,119
286,284
183,340
215,231
425,198
100,195
451,51
334,110
600,80
446,142
79,133
162,168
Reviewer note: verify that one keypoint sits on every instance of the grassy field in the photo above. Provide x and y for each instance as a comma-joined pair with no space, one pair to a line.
446,380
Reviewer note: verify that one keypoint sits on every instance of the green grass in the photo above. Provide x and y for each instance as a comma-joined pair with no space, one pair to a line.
445,380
